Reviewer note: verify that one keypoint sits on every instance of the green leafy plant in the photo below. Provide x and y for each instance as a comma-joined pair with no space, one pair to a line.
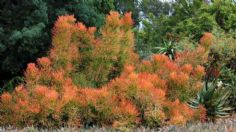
228,79
169,49
214,99
11,84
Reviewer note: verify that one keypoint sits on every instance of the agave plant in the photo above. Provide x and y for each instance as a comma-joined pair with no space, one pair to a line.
169,49
228,78
214,99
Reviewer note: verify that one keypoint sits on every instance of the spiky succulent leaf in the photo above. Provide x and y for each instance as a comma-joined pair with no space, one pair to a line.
214,99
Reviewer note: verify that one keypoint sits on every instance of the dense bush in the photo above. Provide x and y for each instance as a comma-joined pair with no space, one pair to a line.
151,93
222,60
50,98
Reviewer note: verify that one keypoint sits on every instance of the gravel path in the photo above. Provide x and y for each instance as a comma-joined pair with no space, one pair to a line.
227,125
221,125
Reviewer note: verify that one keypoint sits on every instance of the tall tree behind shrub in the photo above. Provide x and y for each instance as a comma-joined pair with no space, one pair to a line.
123,6
24,36
185,19
25,28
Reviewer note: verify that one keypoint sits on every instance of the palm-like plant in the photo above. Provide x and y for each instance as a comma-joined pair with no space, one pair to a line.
214,99
169,49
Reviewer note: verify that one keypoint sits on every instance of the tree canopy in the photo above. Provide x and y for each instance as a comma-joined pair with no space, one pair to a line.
25,28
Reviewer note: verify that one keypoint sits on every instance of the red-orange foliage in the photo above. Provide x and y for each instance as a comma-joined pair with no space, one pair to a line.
187,68
126,113
113,50
44,62
181,75
202,113
179,113
199,71
128,107
32,71
6,97
206,40
69,92
194,57
148,94
179,78
114,19
127,20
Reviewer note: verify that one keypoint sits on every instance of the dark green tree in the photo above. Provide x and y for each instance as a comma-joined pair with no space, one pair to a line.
23,34
155,23
155,7
90,12
225,14
25,28
123,6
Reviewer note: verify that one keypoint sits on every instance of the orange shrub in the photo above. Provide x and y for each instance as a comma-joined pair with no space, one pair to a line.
206,40
179,113
181,75
113,49
194,57
142,90
126,114
152,94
